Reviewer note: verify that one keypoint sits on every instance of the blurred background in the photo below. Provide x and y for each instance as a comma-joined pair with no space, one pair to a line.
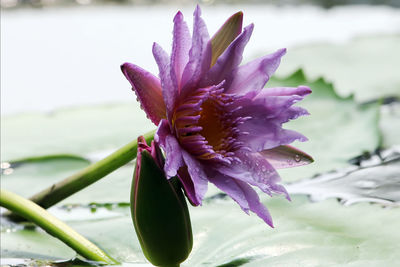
58,53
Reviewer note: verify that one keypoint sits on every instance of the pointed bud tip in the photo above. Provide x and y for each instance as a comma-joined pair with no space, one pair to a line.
178,16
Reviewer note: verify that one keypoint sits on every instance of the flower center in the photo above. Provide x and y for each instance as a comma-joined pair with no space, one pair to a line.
211,122
205,125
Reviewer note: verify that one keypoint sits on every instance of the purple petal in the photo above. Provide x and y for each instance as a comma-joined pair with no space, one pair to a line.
286,157
273,106
229,60
243,194
255,169
254,75
287,91
188,186
148,90
168,82
229,186
180,47
254,203
225,35
162,131
268,113
199,54
172,149
196,172
173,160
264,134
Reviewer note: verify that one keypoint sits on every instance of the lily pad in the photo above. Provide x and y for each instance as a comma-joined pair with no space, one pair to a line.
375,180
307,233
79,131
365,66
31,177
390,124
338,128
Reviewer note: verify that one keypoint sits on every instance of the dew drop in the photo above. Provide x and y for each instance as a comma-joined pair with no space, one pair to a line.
297,158
263,168
366,184
290,162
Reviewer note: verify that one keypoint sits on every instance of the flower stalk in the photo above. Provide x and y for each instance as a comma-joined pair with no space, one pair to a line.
94,172
53,226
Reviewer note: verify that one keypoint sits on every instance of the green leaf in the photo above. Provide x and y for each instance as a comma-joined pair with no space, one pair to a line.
390,124
306,233
33,176
84,131
366,66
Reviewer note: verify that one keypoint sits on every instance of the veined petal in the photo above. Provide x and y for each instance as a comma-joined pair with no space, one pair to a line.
273,106
254,203
180,47
287,91
162,132
168,82
267,134
199,54
188,186
196,172
254,75
225,35
148,90
173,159
243,194
229,186
286,157
268,113
255,169
229,59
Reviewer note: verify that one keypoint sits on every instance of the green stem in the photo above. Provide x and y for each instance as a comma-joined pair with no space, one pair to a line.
53,226
65,188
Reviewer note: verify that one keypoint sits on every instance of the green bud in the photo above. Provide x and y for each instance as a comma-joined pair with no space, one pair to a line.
159,210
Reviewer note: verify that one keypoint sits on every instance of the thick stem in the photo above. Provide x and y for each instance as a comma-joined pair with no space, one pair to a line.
53,226
65,188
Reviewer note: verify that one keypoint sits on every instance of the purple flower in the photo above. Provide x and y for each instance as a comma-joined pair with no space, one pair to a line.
216,121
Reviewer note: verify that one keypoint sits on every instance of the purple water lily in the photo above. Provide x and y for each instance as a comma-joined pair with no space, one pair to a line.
216,121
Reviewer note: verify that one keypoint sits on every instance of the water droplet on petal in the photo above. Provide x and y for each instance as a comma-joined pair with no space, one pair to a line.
263,168
297,158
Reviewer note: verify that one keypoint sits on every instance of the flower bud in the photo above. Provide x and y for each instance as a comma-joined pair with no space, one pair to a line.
159,210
